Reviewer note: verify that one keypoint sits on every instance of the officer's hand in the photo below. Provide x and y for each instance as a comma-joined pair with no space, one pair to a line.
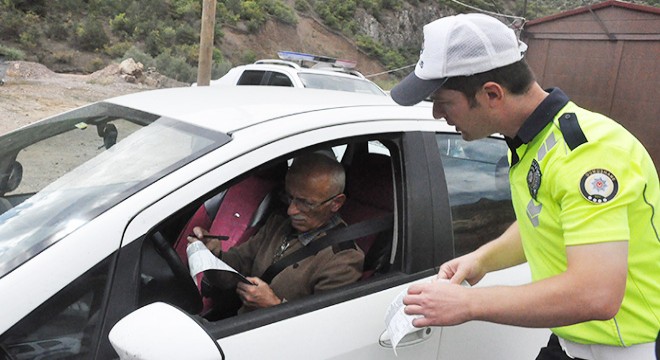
466,267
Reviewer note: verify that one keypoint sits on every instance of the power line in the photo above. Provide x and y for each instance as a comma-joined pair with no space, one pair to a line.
490,12
390,71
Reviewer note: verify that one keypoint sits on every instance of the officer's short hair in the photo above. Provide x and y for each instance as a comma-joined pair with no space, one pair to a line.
517,78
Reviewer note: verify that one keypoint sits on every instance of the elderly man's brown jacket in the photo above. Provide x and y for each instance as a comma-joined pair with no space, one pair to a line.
330,268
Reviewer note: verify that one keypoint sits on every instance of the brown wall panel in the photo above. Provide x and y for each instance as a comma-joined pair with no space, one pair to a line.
619,78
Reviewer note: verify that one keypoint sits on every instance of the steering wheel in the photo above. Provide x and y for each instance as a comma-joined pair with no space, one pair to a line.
191,297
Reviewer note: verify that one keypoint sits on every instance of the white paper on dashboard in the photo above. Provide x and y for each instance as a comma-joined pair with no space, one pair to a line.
200,259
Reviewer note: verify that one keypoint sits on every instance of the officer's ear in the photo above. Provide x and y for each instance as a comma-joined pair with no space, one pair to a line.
493,92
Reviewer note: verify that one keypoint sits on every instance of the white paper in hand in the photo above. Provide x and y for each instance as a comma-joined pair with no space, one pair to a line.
200,258
399,324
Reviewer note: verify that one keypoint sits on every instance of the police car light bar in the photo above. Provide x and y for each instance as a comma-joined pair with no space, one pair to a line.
296,56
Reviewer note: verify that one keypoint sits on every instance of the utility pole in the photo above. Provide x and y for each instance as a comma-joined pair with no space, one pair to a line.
206,43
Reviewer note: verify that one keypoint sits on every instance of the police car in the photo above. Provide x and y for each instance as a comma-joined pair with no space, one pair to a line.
325,73
94,203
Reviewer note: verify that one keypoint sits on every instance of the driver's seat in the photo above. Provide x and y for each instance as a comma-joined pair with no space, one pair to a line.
237,212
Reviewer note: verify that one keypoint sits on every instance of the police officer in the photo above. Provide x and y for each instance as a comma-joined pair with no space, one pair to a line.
585,193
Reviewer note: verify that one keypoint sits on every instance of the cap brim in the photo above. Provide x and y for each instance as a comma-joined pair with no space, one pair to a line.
412,90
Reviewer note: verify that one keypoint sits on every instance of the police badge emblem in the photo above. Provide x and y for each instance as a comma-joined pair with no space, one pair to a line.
534,179
599,186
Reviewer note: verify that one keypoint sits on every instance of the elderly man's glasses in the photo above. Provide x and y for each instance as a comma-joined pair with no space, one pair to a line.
303,204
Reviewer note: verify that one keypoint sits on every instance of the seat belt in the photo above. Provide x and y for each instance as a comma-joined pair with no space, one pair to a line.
352,232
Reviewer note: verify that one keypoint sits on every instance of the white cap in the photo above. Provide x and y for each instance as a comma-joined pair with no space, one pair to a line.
458,45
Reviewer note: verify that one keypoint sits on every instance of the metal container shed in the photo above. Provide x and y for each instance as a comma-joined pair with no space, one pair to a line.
606,57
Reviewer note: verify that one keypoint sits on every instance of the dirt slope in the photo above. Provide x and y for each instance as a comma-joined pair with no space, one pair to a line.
308,36
32,92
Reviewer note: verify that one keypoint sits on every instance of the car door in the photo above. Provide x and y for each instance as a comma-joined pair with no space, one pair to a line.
347,322
476,175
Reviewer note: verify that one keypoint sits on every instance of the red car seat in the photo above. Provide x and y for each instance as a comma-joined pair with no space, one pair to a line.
236,212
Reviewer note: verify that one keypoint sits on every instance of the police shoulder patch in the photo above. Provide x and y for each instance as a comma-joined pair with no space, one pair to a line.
599,186
534,179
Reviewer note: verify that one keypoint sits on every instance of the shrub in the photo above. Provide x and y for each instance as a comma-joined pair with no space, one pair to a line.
59,29
96,64
281,12
336,13
121,26
175,68
118,49
11,22
253,15
90,35
392,59
11,54
63,57
188,52
168,36
248,57
220,67
154,43
302,6
185,34
29,39
224,15
186,9
140,56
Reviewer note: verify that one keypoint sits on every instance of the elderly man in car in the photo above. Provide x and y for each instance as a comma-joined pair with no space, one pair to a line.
314,193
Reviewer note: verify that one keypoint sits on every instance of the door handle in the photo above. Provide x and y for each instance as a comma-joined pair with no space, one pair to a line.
412,338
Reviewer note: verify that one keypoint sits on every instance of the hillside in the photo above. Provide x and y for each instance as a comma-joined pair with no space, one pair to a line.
65,53
83,36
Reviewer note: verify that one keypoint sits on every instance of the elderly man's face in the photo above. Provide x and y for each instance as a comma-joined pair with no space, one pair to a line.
312,201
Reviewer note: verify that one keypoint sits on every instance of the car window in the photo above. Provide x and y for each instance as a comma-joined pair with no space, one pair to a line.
341,83
77,165
279,79
238,209
478,183
63,327
251,77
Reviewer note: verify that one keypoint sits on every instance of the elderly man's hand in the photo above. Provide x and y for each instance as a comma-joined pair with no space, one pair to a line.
214,245
259,295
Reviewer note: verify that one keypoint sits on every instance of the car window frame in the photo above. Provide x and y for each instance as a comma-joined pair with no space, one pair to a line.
404,271
411,264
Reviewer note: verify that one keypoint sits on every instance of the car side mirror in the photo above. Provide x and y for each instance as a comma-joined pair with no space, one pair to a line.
9,181
160,331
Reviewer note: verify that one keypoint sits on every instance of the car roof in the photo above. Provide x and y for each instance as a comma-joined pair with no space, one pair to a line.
291,68
237,107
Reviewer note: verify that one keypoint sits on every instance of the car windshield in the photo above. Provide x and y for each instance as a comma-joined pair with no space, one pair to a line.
65,171
321,81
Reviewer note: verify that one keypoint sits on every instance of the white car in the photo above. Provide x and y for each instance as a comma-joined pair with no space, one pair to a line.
276,72
93,201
